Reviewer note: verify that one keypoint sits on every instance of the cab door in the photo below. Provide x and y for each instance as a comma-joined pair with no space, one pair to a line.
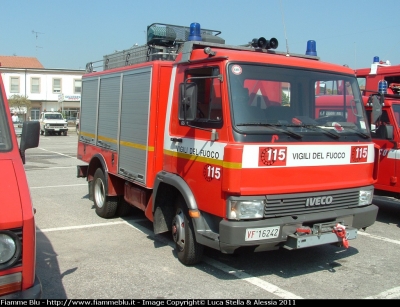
197,145
388,179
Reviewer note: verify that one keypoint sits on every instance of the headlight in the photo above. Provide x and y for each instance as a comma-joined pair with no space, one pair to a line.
365,197
10,249
245,209
7,248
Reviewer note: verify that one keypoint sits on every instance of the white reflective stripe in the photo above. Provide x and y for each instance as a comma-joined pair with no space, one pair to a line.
167,135
198,148
304,155
390,153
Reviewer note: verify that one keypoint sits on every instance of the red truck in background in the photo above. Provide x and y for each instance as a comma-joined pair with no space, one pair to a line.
229,147
18,279
384,79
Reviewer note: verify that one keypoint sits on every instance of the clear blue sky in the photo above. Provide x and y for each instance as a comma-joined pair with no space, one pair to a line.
70,33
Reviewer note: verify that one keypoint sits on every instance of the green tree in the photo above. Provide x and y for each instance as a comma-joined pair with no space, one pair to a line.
285,99
19,102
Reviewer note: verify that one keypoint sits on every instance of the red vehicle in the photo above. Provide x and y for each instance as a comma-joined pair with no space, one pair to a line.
17,223
384,78
229,147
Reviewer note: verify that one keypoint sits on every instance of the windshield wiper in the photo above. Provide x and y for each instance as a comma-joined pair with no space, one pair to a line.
274,127
358,132
334,135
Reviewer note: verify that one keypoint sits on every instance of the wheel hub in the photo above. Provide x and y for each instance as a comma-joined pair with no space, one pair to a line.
99,193
178,229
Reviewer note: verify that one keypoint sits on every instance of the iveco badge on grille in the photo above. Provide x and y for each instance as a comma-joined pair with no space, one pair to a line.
318,201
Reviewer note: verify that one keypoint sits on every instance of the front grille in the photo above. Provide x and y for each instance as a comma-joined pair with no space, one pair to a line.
295,204
56,125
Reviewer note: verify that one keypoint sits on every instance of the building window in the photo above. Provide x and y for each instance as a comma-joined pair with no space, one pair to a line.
77,86
56,85
35,114
14,85
35,85
71,114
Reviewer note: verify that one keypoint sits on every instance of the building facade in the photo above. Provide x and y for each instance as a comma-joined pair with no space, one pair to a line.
46,89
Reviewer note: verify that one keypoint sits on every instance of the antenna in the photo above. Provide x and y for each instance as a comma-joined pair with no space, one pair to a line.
36,34
355,55
284,29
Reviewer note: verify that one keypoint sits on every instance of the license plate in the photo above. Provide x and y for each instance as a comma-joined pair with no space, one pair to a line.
254,234
56,129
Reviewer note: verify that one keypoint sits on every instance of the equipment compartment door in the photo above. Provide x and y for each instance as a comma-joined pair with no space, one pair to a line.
134,124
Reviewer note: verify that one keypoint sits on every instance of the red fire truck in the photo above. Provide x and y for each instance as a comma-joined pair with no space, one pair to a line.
384,78
229,147
17,223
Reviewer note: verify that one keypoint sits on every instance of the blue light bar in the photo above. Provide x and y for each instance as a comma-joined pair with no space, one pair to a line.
194,33
311,48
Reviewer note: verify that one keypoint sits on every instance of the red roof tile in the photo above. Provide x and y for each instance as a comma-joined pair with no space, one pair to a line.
19,62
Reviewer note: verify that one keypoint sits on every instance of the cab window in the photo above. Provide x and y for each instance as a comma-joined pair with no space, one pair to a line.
209,102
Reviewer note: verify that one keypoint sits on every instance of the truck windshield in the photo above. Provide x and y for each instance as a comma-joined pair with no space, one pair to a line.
53,116
300,101
5,136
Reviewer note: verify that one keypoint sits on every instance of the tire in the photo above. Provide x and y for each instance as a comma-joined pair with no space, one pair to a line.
188,250
41,132
64,133
77,129
106,206
123,208
46,133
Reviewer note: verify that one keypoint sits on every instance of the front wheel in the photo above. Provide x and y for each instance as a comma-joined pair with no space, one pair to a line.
188,250
106,206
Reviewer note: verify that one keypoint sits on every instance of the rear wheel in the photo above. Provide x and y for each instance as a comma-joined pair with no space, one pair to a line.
106,206
188,250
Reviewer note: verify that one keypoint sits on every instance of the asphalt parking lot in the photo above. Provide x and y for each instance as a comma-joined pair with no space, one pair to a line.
82,256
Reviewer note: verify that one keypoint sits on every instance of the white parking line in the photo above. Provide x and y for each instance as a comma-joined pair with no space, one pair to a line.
389,294
227,269
58,153
80,227
59,186
45,168
253,280
271,288
378,237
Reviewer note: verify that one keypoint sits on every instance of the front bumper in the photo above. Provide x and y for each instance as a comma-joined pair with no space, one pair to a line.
34,292
54,129
232,233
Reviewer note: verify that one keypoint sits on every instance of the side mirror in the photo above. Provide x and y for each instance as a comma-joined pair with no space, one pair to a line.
187,101
376,103
29,137
389,132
